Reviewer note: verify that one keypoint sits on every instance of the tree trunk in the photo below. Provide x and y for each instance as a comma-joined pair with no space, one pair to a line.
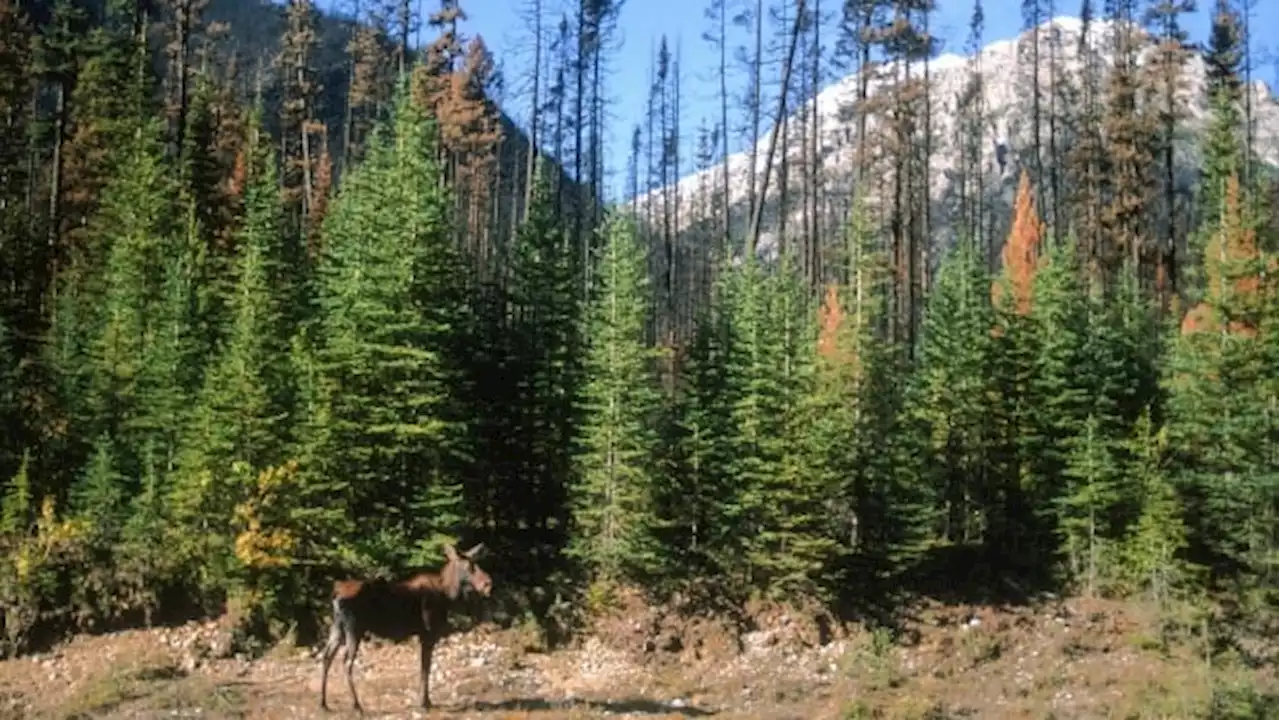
531,158
777,126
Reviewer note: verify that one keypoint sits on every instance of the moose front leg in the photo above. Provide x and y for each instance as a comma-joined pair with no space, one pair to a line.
427,645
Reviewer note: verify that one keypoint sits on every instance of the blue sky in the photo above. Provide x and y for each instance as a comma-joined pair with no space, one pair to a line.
642,22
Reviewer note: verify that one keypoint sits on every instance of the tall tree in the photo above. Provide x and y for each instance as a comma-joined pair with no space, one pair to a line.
19,271
1021,252
971,131
388,299
1033,13
534,13
951,396
1128,128
241,413
543,335
185,25
1223,147
1173,52
718,37
614,503
1221,423
1088,161
56,52
136,220
299,88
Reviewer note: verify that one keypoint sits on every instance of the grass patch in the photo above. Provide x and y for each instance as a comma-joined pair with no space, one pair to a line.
148,685
872,663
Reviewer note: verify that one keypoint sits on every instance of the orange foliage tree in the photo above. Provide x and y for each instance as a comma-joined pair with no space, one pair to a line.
1234,274
830,317
1021,250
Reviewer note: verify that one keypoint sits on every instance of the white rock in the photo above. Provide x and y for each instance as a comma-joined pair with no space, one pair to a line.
1006,81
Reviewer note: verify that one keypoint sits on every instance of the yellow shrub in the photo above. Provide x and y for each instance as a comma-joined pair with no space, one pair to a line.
265,542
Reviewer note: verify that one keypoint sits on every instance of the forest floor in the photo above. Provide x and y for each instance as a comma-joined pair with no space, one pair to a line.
1060,659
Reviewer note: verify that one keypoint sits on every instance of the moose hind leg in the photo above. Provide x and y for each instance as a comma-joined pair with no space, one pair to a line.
427,648
353,648
336,641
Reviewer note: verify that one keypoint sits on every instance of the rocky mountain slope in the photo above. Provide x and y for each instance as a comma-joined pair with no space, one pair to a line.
1007,132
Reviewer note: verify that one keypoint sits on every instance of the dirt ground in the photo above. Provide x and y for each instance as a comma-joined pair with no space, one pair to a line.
1073,659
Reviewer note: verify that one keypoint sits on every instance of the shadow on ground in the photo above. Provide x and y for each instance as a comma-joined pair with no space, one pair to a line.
642,706
634,706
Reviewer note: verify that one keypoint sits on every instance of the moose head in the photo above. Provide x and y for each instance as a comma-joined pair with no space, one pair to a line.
462,573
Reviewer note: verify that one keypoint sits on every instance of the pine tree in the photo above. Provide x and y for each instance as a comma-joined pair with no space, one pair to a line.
757,398
1153,549
146,567
243,404
1096,502
310,504
878,450
950,395
1084,506
106,109
792,547
15,59
1129,130
1223,149
17,509
10,439
492,382
216,137
99,496
545,330
1014,371
388,302
1088,161
299,88
1058,392
1021,253
1258,364
1219,378
613,503
1166,88
135,222
172,370
1130,332
98,505
694,499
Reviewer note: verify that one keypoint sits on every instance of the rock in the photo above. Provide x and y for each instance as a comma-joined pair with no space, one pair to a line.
1004,103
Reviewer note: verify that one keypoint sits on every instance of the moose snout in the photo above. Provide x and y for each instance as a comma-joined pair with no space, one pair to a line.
482,584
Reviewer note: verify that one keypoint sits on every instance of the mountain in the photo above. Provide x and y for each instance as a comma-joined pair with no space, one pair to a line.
249,36
1006,142
255,30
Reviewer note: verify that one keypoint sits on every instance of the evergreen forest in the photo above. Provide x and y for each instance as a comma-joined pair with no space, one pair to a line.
287,297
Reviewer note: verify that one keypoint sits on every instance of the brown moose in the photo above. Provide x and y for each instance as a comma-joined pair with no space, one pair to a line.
398,610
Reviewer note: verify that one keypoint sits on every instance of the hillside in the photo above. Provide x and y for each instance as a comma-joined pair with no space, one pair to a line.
1006,142
255,29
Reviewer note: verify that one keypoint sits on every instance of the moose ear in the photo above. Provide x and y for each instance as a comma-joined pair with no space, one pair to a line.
451,553
475,551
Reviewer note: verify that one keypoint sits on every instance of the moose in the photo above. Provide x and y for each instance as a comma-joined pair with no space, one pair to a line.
418,606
